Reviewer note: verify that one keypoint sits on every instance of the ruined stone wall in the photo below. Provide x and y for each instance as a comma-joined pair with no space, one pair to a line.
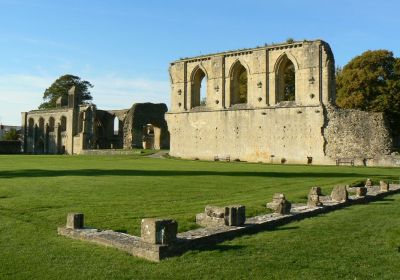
285,134
356,134
139,116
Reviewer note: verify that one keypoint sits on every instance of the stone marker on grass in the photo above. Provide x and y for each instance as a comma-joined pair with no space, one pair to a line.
368,183
384,186
233,215
361,191
313,197
279,204
75,221
158,231
339,194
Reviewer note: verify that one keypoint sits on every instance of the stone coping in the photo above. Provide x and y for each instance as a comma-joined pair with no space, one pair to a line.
204,237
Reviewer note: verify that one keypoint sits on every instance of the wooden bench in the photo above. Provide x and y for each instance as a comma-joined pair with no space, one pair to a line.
345,161
222,158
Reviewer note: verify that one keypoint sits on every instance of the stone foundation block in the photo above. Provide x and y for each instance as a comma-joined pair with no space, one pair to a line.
279,204
368,183
235,215
313,197
340,194
384,186
361,191
75,221
158,231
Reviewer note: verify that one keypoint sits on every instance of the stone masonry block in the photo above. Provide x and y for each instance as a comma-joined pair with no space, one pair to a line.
384,186
339,194
361,191
235,215
159,231
75,221
313,197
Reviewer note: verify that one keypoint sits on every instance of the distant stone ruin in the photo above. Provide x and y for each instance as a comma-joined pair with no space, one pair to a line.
72,128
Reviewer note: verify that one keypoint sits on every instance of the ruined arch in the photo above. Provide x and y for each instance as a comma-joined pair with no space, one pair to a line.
51,124
238,83
41,126
31,126
198,78
63,124
285,78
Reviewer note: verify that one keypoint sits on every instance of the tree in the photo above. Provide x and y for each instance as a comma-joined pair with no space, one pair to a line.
60,88
12,134
371,82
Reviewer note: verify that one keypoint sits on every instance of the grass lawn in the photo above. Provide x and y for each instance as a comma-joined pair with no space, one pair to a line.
116,192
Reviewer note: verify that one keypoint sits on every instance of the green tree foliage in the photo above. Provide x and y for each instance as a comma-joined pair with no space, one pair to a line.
12,134
60,88
289,77
243,86
371,82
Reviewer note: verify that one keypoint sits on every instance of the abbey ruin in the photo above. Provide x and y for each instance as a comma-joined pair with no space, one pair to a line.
270,104
73,127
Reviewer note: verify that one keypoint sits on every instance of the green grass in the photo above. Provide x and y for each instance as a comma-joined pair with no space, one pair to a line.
36,193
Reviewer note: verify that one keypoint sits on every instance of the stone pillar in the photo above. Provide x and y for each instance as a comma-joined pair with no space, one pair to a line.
235,215
279,204
313,197
339,194
368,183
75,221
384,186
158,231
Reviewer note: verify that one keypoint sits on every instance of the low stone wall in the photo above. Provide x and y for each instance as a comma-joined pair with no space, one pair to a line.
110,152
160,240
10,147
355,134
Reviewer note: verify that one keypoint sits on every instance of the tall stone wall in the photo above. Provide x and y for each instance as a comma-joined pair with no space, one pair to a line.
280,134
356,134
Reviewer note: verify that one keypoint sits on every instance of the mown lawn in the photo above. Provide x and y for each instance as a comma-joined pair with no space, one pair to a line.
36,193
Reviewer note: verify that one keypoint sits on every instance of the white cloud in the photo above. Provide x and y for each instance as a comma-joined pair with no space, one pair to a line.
20,93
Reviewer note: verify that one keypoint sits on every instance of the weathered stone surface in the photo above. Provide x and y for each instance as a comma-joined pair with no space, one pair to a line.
215,211
75,221
384,186
368,183
279,204
339,194
158,231
313,197
361,191
235,215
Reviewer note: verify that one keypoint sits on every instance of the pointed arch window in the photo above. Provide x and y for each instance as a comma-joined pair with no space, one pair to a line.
239,85
199,88
286,80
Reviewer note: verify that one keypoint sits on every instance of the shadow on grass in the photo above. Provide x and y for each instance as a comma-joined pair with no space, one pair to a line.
32,173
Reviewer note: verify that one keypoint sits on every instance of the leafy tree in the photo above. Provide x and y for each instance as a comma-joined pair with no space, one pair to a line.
60,88
371,82
12,134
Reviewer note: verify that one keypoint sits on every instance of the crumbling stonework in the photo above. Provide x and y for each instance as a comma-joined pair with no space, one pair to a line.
356,134
361,191
233,215
265,125
279,204
384,186
73,127
138,117
313,197
339,194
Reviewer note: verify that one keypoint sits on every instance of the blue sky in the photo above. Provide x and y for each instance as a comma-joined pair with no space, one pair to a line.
124,47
